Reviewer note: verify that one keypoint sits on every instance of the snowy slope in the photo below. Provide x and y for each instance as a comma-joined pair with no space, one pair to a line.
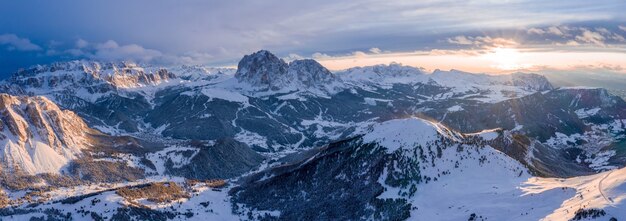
494,186
605,191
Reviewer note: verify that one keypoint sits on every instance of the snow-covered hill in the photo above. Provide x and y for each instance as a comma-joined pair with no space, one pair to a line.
422,170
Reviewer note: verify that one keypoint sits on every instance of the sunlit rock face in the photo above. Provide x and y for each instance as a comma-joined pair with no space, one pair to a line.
36,136
90,73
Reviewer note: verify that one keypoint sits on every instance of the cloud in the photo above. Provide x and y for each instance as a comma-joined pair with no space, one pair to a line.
552,30
575,36
54,43
293,57
359,54
572,43
375,50
80,43
75,52
618,38
592,37
17,43
460,40
111,50
483,41
623,28
187,58
558,31
537,31
372,52
603,30
321,56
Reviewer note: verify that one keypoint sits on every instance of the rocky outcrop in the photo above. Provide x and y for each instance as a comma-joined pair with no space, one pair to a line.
90,74
37,136
263,70
309,73
529,81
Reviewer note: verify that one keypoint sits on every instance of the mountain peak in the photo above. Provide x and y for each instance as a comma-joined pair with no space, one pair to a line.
530,81
262,69
310,73
407,133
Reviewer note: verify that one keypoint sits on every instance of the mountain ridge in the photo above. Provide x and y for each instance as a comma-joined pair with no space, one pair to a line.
270,126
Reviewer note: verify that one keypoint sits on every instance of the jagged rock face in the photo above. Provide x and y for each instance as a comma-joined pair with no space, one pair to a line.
391,70
89,74
381,74
530,81
310,73
129,78
263,69
36,136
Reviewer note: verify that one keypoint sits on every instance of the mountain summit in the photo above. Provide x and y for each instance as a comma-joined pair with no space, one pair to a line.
264,70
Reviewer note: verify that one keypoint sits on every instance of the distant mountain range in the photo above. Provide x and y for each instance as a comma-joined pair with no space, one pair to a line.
273,140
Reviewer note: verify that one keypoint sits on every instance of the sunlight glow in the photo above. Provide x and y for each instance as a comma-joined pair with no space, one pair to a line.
498,60
505,59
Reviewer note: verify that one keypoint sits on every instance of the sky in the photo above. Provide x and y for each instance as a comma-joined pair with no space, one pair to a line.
577,37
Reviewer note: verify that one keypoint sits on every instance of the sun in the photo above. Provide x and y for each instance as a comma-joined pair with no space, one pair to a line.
505,58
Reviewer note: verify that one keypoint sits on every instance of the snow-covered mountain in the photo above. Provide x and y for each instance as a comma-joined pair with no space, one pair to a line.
289,135
89,74
274,106
38,137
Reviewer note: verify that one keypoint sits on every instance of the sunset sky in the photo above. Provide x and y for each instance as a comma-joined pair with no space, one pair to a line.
578,37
